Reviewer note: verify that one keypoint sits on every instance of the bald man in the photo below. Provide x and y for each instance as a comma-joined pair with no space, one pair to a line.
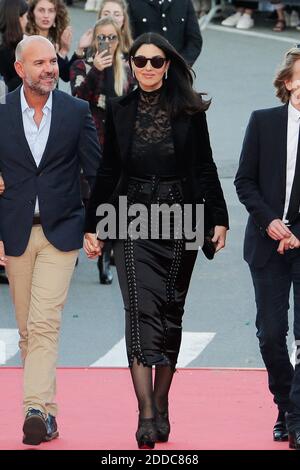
47,136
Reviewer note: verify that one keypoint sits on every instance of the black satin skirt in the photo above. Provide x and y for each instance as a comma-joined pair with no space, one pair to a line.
154,276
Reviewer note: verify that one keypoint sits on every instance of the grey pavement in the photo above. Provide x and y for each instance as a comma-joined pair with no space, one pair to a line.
236,70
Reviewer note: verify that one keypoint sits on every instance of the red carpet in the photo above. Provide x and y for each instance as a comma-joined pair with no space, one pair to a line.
210,409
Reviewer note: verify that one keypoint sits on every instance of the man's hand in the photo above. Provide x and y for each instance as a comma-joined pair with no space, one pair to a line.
277,230
2,185
288,244
3,259
219,237
92,246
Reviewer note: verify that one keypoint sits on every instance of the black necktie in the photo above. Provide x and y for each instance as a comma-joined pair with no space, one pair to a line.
294,204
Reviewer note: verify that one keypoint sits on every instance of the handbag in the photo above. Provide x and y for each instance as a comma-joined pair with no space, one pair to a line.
209,247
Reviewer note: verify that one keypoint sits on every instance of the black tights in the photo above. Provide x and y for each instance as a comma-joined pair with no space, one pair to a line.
150,398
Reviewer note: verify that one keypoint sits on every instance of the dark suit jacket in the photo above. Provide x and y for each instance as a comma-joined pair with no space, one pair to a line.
193,154
179,25
261,180
72,144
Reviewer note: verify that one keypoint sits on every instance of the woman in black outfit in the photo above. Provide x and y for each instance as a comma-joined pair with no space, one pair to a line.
13,20
156,150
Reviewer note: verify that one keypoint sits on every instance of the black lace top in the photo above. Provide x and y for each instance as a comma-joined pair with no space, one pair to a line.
152,147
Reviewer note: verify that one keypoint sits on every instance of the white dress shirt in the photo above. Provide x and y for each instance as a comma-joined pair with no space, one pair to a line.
292,146
36,137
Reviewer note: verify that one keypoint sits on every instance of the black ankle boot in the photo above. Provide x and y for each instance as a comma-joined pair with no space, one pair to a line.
105,273
146,434
162,425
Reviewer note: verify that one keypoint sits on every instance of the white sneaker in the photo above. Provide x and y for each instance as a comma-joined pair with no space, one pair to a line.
232,20
90,5
245,22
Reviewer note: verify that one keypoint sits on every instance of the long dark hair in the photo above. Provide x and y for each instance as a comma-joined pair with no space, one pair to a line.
177,94
61,21
10,28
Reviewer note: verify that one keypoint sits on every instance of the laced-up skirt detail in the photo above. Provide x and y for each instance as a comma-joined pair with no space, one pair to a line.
154,276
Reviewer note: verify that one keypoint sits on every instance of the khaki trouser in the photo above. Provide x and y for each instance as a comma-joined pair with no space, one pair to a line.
39,281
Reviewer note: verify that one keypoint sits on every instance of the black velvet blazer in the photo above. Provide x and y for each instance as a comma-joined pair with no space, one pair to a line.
193,153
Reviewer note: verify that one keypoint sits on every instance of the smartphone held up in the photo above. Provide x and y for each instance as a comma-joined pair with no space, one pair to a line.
103,46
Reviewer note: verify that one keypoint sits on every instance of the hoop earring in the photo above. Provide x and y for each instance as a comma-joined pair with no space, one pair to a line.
166,74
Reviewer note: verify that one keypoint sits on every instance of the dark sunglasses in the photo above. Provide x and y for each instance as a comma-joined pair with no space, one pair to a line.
110,38
156,62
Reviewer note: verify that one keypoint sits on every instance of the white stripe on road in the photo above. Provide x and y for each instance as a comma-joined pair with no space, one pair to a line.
255,34
192,345
9,338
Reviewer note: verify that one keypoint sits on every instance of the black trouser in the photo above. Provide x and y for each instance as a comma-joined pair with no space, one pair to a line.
272,285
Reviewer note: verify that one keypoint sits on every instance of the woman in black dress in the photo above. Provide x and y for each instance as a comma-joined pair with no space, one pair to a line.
156,151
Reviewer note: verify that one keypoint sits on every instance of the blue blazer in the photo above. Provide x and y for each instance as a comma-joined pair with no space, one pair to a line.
261,181
72,145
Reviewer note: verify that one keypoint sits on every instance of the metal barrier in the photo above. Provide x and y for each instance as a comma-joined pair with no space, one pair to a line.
205,19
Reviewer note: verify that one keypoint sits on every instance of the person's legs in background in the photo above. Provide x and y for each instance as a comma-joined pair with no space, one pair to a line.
280,23
242,18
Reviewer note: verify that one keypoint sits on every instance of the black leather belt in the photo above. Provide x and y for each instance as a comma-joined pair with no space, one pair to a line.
146,190
36,220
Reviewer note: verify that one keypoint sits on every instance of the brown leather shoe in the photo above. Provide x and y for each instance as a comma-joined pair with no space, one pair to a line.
38,428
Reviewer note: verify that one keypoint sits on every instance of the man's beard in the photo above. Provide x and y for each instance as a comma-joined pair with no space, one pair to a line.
40,89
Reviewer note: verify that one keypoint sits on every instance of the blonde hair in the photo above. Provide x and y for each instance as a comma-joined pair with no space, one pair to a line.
118,64
285,73
126,36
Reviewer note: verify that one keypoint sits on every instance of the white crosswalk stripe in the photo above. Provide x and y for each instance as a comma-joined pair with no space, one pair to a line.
9,338
193,343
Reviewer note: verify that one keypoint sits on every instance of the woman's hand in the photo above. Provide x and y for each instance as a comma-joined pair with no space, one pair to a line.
2,185
219,237
84,42
65,42
92,246
102,60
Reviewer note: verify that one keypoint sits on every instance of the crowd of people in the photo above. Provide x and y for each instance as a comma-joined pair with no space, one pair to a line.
139,131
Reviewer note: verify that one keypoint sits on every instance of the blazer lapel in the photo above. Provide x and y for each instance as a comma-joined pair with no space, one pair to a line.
17,124
280,135
56,117
166,5
153,4
124,116
180,127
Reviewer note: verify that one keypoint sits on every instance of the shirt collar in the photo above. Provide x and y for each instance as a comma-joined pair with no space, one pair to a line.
294,113
24,105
